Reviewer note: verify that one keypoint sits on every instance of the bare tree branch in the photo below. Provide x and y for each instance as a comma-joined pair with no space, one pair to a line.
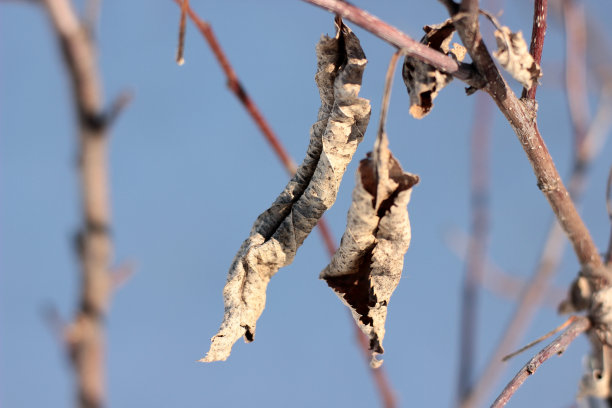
86,333
400,40
588,144
579,326
521,114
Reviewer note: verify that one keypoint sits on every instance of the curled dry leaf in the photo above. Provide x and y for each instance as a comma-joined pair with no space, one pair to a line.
513,54
422,80
367,267
280,230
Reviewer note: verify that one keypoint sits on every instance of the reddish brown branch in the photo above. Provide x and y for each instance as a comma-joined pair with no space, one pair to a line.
477,248
400,40
579,326
521,114
538,32
236,87
380,378
86,333
586,147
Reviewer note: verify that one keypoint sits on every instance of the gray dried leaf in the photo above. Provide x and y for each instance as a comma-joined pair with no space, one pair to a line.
367,267
279,231
513,54
424,81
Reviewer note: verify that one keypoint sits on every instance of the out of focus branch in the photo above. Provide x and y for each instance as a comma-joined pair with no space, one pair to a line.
380,378
477,246
588,143
86,334
496,280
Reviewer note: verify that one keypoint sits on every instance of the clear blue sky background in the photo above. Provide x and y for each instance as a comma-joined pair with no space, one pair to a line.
190,173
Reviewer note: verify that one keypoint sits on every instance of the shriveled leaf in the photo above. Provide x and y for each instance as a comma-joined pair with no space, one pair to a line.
513,54
424,81
279,231
367,267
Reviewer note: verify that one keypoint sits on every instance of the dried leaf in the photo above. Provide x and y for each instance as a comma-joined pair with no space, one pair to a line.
424,81
280,230
513,54
367,267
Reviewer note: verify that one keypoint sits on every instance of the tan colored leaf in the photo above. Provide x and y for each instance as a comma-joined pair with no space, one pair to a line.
422,80
367,267
513,54
279,231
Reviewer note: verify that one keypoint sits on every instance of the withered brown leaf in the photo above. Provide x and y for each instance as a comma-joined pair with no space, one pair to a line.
367,267
513,54
279,231
424,81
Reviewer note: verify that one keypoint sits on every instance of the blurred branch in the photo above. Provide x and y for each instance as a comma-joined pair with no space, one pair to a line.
477,246
557,347
575,68
588,142
380,378
498,281
86,332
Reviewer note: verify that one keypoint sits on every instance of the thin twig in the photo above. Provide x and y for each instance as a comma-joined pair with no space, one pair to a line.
538,32
380,378
236,87
579,326
182,28
86,333
477,247
384,106
540,339
400,40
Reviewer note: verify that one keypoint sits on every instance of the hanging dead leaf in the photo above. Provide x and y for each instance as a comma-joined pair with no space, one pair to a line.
513,54
279,231
422,80
367,267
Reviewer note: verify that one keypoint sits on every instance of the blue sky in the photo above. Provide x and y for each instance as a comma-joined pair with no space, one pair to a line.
190,173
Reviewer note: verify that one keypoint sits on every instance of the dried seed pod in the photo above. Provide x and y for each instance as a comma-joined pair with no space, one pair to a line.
367,267
513,54
424,81
280,230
